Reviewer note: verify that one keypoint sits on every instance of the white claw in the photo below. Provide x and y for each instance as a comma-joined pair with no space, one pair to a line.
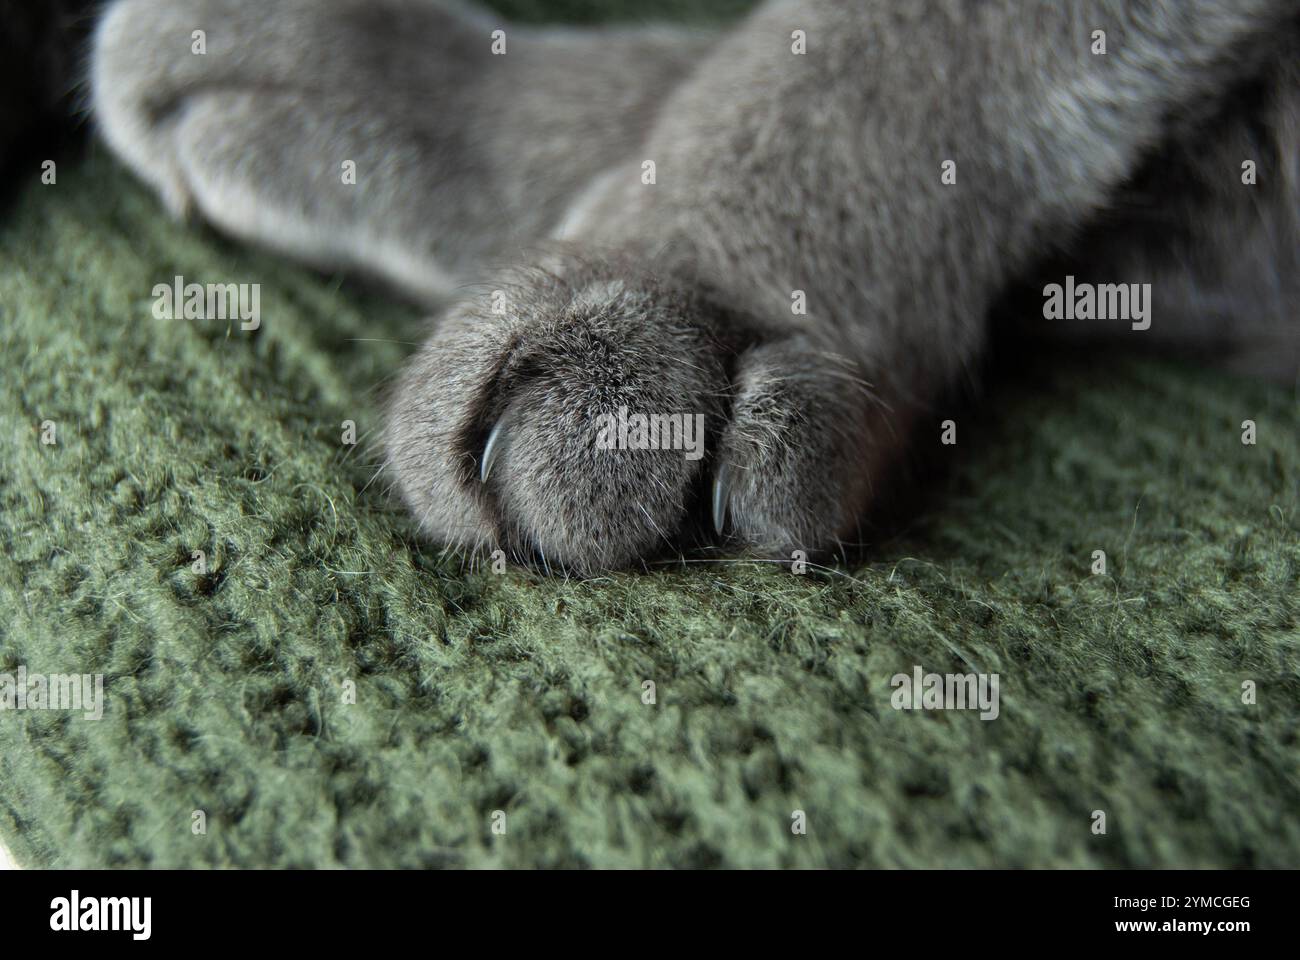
491,451
721,496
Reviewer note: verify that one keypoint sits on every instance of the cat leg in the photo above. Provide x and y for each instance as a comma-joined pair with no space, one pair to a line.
1209,229
406,137
805,249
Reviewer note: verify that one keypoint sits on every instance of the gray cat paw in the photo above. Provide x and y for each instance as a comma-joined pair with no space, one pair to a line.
518,426
382,134
280,123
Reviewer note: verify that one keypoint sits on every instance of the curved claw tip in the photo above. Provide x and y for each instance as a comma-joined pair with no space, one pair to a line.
721,497
491,451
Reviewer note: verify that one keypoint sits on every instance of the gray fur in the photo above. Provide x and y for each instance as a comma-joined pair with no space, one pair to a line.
775,173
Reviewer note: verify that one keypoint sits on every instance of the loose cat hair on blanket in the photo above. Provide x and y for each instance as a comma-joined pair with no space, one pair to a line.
795,227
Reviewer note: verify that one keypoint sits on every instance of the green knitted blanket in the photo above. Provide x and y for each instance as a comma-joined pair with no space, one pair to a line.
319,689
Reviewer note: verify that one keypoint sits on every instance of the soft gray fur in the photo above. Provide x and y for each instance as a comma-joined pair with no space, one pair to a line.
513,185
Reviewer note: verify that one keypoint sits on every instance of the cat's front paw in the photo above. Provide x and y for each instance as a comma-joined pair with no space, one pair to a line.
588,417
341,132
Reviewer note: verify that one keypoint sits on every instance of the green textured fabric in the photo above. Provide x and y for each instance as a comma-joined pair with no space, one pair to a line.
475,693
